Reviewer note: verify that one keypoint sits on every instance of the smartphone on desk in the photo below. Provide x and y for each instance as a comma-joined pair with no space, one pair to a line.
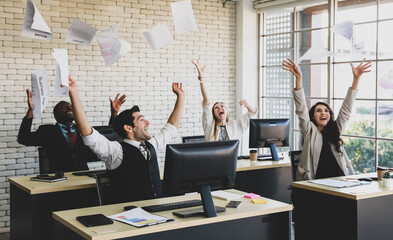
233,204
94,220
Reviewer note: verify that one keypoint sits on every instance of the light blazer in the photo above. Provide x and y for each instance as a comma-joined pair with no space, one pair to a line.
235,128
312,137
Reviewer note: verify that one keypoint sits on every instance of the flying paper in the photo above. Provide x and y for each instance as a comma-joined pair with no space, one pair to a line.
62,82
159,36
112,47
34,26
80,33
316,51
183,16
344,29
40,91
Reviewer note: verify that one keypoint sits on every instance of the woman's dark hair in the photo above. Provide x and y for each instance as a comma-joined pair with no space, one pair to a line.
216,125
331,130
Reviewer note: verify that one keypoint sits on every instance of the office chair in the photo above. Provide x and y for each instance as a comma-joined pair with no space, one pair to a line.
108,132
43,161
189,139
103,188
295,158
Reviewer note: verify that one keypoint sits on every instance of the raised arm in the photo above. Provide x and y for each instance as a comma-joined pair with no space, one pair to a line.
200,70
358,72
79,114
252,110
29,113
177,112
115,106
25,135
290,66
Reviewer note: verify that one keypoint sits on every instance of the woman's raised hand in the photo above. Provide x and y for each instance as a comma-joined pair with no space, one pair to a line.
199,67
290,66
360,69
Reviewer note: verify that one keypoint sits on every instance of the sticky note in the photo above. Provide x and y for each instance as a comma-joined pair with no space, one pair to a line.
258,201
252,195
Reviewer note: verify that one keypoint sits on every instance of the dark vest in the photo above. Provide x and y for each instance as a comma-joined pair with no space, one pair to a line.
135,179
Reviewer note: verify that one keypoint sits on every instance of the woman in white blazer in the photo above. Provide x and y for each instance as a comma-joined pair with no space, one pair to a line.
215,122
323,153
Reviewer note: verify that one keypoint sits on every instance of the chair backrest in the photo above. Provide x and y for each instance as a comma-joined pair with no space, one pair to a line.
109,132
43,161
189,139
295,158
103,188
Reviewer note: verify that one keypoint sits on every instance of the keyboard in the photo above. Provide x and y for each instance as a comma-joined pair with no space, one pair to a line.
89,172
259,156
174,205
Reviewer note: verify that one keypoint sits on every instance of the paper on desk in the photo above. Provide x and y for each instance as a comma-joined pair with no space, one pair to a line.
112,47
336,183
40,91
61,82
159,36
138,217
183,16
316,51
34,25
226,195
80,33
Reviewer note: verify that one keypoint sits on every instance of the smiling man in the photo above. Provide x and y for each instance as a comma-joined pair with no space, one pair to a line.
132,164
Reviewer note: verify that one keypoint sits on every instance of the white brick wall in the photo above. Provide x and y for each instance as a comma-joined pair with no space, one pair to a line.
143,74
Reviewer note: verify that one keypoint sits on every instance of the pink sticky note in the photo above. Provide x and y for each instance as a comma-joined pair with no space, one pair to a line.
251,195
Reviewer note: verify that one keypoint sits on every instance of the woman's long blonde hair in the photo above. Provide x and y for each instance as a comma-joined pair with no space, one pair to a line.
216,125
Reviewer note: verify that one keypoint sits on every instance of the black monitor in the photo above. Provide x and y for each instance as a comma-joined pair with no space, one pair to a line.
200,167
270,133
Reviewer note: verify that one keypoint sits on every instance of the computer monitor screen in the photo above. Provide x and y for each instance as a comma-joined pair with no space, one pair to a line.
269,133
200,167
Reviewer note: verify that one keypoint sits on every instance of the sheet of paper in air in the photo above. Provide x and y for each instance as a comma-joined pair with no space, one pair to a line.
183,16
159,36
40,91
34,25
112,47
62,82
80,33
345,29
316,51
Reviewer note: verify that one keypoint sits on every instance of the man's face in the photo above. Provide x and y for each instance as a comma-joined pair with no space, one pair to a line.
64,114
141,129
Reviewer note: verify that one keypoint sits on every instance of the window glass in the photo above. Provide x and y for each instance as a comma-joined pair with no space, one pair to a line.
385,46
385,9
314,80
385,79
357,11
385,119
278,47
385,153
279,22
278,82
314,38
362,120
361,153
312,16
343,78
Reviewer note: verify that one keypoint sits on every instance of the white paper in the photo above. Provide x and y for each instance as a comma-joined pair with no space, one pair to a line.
316,51
34,25
336,183
344,29
62,73
138,217
112,47
226,195
40,91
183,16
159,36
80,33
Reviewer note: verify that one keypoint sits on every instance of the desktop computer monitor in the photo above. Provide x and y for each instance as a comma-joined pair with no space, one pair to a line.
270,133
200,167
108,132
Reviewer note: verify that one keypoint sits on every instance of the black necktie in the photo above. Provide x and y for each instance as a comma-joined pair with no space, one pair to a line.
145,151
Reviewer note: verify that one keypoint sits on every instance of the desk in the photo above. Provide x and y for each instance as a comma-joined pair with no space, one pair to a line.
362,212
252,221
33,202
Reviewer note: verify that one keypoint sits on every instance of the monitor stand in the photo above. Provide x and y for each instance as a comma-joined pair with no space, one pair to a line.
273,150
208,210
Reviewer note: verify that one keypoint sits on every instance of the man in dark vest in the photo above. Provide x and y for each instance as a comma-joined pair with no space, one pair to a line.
132,164
62,142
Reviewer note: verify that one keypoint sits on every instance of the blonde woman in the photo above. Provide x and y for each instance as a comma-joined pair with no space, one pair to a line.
215,122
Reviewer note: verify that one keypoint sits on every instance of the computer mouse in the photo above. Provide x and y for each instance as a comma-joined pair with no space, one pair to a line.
126,208
367,179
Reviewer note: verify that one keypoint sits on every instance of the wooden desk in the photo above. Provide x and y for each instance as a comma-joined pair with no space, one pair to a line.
33,202
362,212
251,221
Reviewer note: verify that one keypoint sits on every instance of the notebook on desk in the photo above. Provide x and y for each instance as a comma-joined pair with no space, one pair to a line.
338,183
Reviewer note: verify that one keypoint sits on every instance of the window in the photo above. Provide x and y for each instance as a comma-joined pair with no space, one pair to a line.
290,32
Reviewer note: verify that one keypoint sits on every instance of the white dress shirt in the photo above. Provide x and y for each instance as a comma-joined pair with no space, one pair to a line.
111,152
